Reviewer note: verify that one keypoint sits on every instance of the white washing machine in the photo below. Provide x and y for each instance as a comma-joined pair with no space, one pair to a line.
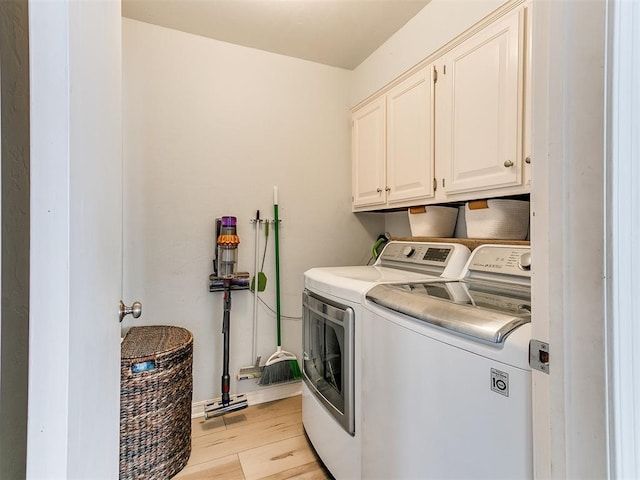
446,382
332,325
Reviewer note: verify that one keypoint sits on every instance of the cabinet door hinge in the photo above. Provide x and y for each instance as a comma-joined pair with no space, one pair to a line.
435,184
539,355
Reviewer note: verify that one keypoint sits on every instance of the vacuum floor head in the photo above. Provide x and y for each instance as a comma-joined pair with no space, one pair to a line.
217,409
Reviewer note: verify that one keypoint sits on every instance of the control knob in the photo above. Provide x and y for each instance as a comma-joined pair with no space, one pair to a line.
408,251
524,263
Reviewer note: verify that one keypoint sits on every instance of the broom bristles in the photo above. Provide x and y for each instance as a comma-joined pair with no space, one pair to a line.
281,371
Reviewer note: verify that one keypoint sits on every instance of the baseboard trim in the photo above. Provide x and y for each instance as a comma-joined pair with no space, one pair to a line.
255,397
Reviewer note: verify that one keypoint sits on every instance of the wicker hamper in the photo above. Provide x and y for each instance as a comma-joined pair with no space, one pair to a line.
155,402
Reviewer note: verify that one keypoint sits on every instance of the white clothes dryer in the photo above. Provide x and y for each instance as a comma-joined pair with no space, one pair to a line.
332,325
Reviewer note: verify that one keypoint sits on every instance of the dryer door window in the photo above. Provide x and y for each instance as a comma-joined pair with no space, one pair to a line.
328,356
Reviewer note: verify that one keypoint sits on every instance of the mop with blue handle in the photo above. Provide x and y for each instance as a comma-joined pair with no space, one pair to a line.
282,366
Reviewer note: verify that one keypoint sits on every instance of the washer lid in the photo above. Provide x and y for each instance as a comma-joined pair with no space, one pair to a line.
350,283
482,311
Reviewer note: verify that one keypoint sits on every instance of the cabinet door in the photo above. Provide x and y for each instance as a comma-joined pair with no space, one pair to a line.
410,138
368,154
481,111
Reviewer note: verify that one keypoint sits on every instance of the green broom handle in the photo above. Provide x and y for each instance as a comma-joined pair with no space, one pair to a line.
276,228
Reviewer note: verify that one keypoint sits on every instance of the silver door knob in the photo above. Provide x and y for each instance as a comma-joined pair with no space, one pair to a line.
135,309
508,163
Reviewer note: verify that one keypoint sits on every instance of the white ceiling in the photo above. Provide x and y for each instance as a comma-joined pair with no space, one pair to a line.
341,33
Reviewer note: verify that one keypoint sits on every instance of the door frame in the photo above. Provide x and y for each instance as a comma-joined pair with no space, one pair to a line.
623,235
76,238
568,238
587,91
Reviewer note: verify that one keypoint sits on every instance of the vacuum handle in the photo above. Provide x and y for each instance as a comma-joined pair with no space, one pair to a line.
276,228
225,380
215,250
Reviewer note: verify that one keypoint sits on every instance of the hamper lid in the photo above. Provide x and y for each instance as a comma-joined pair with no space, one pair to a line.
150,340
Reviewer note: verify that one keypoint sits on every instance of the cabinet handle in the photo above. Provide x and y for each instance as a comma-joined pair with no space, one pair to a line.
387,189
527,160
378,190
508,163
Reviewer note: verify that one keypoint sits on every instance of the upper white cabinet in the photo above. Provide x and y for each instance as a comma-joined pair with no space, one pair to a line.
480,101
393,141
368,154
410,135
456,129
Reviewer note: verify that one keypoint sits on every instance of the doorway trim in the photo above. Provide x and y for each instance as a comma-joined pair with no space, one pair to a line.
623,237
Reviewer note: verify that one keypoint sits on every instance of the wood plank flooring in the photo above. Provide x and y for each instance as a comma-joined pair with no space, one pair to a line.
264,441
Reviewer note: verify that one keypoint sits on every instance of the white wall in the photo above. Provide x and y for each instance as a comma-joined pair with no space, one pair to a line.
439,22
397,224
209,128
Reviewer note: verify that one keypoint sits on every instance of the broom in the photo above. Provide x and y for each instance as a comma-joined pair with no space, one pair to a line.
282,366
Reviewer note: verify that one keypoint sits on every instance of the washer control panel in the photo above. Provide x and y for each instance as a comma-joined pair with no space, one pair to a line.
430,258
504,260
417,253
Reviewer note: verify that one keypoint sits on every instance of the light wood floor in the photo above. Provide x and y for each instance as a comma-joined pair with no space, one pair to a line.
265,441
